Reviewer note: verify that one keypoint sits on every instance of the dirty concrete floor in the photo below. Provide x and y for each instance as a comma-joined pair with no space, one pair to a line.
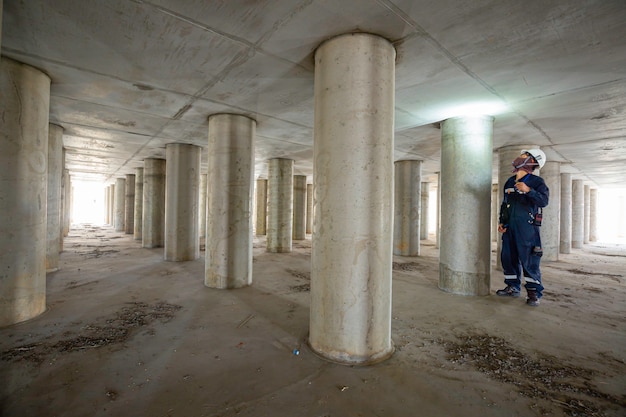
129,334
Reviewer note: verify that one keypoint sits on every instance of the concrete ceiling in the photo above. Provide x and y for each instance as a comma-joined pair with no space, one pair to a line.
128,76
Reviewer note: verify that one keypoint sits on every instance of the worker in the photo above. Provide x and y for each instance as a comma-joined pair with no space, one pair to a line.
520,219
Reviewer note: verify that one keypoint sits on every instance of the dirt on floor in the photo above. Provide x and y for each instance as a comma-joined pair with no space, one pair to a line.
129,334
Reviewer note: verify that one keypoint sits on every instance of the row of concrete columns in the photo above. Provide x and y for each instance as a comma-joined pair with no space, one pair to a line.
353,193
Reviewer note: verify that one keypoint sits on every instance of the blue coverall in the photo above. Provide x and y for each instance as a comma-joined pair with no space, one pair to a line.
521,242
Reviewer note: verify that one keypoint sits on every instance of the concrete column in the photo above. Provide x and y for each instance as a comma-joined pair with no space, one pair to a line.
111,204
228,258
550,228
353,198
495,211
129,205
465,254
506,155
119,218
261,207
309,208
138,210
438,217
67,202
299,207
593,215
407,195
279,205
106,205
202,209
153,221
24,106
565,231
578,213
182,182
586,216
425,198
55,176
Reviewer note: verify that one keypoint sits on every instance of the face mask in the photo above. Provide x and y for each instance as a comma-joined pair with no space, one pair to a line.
523,164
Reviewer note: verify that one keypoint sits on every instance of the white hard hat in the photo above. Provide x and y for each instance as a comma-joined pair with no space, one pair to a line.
537,155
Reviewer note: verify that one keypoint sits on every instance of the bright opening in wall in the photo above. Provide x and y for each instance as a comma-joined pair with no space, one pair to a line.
88,202
611,218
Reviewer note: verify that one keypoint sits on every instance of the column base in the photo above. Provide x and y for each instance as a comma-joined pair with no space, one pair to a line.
343,358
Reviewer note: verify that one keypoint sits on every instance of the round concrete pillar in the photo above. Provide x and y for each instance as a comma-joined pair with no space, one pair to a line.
424,202
120,204
153,221
587,212
299,207
551,174
565,229
407,196
353,199
182,181
202,209
129,205
279,205
228,258
24,105
261,207
138,210
578,213
466,161
495,208
309,208
593,215
506,155
66,216
55,176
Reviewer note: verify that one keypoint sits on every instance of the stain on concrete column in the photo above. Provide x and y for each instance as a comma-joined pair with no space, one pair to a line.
353,214
24,106
153,228
279,205
230,178
407,207
565,230
138,211
466,161
182,181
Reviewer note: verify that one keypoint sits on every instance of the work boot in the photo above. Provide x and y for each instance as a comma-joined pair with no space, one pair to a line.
532,299
508,292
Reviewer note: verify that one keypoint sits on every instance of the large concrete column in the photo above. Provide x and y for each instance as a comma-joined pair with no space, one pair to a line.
138,210
261,207
153,228
202,206
67,202
593,215
565,231
424,201
495,211
550,228
465,253
353,199
578,213
407,196
129,205
119,218
309,208
182,182
228,258
299,207
55,176
587,210
279,205
506,155
24,106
